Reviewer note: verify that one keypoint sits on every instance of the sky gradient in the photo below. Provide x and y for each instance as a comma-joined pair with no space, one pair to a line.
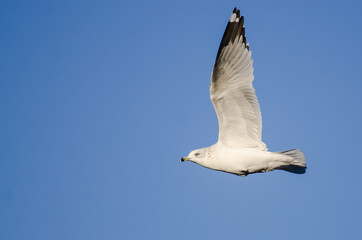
100,99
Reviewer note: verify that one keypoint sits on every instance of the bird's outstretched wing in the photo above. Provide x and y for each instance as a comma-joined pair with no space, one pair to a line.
232,91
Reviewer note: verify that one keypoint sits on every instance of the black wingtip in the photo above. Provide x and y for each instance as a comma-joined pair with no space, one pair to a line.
243,32
233,32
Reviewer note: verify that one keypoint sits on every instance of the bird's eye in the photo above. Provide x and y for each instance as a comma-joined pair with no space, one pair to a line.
197,154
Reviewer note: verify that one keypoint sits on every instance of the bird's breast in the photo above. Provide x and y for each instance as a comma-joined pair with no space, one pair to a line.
239,160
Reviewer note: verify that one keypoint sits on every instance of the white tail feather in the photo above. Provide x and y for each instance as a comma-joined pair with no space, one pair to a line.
297,165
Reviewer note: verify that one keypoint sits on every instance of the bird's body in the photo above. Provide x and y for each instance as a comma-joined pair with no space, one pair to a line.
239,149
244,161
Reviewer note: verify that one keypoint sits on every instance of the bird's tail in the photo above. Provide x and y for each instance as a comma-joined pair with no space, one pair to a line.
297,165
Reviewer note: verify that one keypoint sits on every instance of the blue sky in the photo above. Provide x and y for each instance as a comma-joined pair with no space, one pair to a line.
100,99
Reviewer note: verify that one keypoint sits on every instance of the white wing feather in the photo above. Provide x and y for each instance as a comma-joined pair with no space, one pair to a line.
234,98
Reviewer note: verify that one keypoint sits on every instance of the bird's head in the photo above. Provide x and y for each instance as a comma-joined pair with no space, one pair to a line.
197,156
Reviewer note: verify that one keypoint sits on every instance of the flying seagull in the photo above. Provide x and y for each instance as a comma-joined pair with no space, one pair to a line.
239,149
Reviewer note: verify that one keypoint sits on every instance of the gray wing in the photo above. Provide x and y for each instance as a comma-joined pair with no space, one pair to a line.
232,91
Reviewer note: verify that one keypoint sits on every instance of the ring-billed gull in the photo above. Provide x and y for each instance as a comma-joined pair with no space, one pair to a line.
239,149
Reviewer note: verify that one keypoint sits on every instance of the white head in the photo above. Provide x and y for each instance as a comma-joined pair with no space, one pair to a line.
198,156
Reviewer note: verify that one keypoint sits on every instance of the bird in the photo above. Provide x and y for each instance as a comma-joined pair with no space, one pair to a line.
240,149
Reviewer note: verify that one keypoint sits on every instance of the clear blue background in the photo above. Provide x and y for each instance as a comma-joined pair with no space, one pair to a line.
100,99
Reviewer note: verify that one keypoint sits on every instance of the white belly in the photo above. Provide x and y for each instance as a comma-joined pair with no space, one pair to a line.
243,161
